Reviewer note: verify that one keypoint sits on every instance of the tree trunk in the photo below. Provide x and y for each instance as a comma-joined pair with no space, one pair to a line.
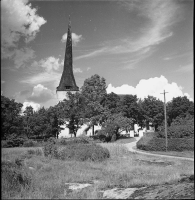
93,130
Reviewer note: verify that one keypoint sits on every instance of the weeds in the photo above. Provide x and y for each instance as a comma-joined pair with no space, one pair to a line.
50,175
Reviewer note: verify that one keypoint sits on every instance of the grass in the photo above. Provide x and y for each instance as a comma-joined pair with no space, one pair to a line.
122,169
124,140
187,154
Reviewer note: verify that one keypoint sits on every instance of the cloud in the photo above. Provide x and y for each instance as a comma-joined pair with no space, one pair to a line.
77,70
91,54
48,64
41,94
75,38
43,77
2,82
155,17
35,106
23,56
153,86
19,21
88,68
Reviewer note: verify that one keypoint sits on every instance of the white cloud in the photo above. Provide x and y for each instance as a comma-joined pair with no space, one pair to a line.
41,94
158,17
75,38
43,77
77,70
153,86
2,81
35,106
88,68
123,89
91,54
23,56
18,21
49,64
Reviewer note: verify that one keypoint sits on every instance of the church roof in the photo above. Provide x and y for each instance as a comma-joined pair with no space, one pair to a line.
67,82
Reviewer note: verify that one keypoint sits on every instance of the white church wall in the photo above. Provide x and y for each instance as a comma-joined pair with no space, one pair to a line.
65,133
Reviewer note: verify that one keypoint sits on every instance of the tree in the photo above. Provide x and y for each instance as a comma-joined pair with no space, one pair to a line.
71,110
112,102
11,121
179,107
93,92
130,108
27,119
115,124
153,111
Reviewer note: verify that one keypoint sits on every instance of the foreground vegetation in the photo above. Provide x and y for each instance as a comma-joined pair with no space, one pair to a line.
47,176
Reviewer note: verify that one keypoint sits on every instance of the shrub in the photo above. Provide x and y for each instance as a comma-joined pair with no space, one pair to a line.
62,141
159,144
37,152
82,152
102,136
16,142
113,138
76,140
14,178
5,144
178,131
50,148
30,143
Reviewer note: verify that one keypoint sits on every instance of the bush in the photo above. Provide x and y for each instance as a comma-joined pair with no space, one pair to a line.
30,143
178,131
159,144
76,140
50,148
102,136
16,142
62,141
37,152
14,178
83,152
113,138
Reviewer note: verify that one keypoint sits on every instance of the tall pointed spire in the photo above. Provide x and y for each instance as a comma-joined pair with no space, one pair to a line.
67,82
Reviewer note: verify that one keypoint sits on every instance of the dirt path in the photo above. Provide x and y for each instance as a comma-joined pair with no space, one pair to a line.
132,147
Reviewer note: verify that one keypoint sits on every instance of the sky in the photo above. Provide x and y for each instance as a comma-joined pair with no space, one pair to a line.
141,47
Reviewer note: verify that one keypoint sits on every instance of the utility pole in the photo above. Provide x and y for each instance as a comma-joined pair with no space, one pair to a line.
165,119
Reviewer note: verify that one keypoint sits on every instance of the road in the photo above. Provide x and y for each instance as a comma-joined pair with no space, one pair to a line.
132,147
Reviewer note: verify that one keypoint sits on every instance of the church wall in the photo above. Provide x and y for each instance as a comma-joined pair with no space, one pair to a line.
65,133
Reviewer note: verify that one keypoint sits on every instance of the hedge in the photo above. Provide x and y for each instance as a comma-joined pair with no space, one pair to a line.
159,144
178,131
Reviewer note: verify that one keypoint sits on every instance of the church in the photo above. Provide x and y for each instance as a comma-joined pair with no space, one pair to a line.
68,84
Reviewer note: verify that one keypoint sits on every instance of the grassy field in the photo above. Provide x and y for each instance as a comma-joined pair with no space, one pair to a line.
186,154
122,169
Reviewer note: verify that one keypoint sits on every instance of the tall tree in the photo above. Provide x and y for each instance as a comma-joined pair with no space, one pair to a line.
93,92
11,121
112,102
71,110
153,111
130,107
27,120
179,107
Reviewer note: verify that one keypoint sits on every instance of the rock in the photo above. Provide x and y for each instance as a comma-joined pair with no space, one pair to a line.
31,168
77,186
119,193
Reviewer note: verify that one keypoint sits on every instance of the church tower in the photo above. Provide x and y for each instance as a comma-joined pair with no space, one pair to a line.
67,82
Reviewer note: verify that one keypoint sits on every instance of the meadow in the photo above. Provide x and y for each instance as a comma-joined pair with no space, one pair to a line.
123,169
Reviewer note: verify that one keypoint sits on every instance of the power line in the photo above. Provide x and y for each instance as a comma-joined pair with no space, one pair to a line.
165,118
